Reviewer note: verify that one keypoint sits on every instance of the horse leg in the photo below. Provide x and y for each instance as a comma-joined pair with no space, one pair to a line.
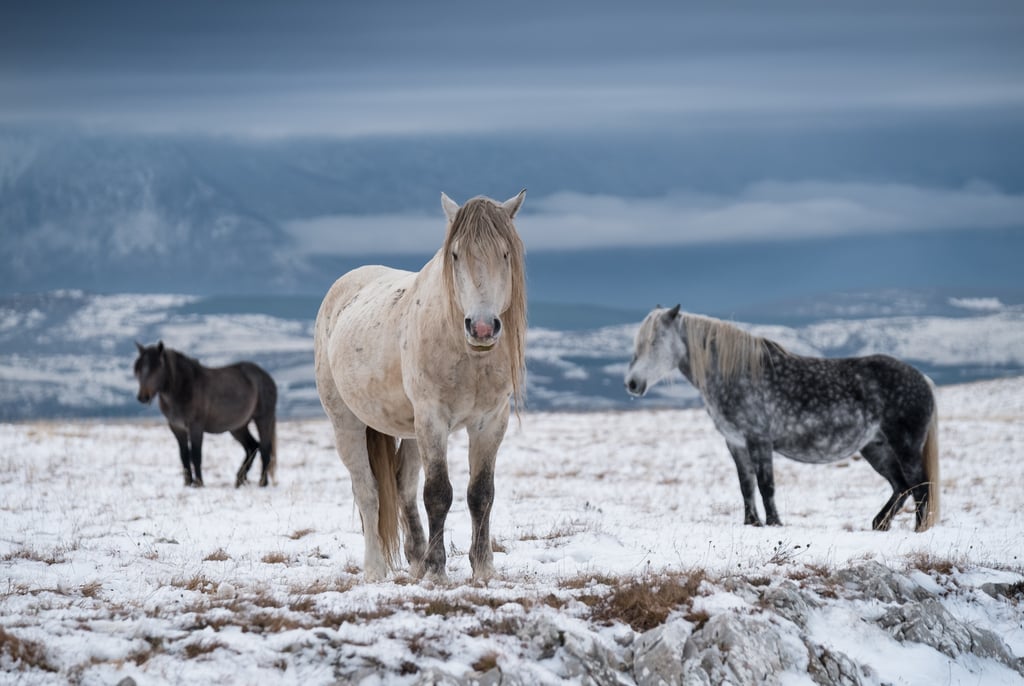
911,467
745,471
761,455
351,445
266,426
408,487
437,491
249,444
196,440
880,455
183,453
484,439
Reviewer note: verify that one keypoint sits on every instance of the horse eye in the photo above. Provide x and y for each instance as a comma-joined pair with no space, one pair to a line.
455,256
506,256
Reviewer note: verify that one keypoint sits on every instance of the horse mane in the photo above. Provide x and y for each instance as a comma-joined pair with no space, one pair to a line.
483,230
180,369
733,351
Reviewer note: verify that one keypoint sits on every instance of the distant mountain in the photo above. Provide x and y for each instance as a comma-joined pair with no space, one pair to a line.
175,213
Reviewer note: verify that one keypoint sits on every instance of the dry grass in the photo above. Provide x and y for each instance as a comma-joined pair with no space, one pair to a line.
25,654
300,533
194,650
486,662
91,589
218,555
277,558
645,603
930,563
197,582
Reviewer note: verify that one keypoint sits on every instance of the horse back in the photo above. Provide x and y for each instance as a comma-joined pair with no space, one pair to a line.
229,397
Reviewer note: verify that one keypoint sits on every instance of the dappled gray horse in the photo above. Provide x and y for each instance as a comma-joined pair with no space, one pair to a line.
763,398
197,400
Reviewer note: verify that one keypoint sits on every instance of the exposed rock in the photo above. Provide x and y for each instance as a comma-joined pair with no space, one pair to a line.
928,622
878,582
830,668
743,649
789,601
658,655
1013,591
582,656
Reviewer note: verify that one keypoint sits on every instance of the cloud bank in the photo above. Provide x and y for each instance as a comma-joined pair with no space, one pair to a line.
763,212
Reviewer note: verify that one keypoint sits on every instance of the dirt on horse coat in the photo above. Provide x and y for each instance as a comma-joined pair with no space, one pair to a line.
416,356
197,400
764,399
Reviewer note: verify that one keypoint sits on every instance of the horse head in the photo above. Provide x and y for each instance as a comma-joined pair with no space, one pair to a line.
150,370
484,268
657,350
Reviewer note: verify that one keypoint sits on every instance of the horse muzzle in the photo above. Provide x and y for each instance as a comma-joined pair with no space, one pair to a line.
144,397
636,388
482,333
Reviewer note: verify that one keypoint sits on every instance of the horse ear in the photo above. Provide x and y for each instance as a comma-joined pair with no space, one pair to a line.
160,348
512,205
139,346
450,207
673,313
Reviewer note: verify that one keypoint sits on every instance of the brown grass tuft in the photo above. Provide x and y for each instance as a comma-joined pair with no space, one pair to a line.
25,654
929,562
91,589
301,533
197,582
645,603
486,663
194,650
218,555
275,558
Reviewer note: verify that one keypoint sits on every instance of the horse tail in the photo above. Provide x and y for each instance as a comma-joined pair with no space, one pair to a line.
273,452
383,451
930,460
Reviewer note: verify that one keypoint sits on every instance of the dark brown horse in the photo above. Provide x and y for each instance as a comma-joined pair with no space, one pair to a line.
197,399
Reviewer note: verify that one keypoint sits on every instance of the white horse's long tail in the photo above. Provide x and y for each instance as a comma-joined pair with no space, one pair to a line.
930,458
383,452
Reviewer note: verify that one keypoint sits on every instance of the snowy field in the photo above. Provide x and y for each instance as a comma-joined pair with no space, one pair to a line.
113,570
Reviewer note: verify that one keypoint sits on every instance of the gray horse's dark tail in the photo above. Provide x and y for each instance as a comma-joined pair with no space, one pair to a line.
383,452
930,460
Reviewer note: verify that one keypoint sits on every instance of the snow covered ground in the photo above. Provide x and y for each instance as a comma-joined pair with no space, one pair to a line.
111,569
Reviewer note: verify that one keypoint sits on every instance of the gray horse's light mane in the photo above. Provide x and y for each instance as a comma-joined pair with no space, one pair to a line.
735,351
483,230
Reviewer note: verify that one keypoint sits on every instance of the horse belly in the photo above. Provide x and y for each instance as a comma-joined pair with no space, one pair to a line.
818,442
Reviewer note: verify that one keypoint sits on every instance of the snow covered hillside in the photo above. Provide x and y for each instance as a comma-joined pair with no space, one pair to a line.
618,544
69,353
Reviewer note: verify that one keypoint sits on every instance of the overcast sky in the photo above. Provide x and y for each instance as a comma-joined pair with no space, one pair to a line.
350,68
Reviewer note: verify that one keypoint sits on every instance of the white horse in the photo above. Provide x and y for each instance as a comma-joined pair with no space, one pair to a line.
416,356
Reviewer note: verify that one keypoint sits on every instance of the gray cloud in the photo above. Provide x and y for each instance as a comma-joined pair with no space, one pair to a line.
363,68
764,211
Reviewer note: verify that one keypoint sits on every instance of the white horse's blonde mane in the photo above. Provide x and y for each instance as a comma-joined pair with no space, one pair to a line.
483,230
735,352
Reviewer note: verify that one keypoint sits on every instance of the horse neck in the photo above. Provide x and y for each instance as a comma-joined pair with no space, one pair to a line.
684,361
181,372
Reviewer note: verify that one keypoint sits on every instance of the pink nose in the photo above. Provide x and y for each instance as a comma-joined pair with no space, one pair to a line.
482,330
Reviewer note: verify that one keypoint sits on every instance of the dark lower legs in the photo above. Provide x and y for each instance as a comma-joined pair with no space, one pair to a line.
754,467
